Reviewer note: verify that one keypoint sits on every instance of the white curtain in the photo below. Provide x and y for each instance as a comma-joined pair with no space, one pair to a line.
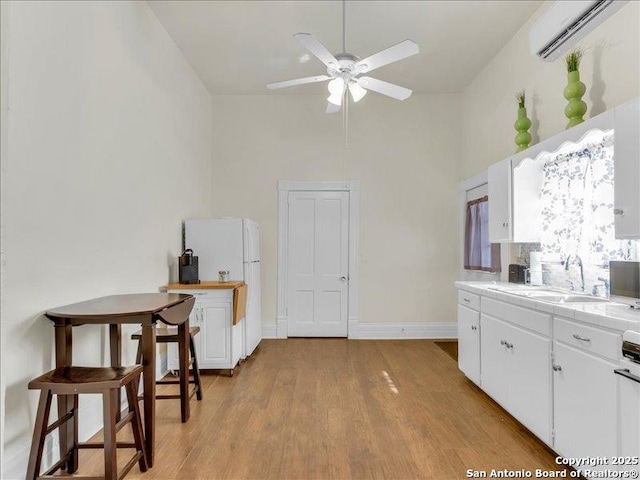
577,207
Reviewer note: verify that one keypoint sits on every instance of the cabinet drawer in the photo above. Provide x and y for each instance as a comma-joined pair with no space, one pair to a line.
206,294
523,317
587,338
469,300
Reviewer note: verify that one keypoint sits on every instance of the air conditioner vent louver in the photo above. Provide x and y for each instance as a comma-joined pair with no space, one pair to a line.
574,28
567,22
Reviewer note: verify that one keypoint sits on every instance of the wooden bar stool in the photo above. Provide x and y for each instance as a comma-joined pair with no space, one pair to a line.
73,381
170,335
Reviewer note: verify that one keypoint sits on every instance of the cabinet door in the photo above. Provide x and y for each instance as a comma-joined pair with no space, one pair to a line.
627,170
469,342
585,404
629,418
529,381
500,201
215,330
493,361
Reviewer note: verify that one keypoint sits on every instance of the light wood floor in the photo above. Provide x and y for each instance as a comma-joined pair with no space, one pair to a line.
333,408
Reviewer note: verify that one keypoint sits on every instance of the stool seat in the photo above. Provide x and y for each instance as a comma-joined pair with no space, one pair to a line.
71,380
166,335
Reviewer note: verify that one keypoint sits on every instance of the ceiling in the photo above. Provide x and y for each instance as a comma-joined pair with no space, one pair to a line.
237,47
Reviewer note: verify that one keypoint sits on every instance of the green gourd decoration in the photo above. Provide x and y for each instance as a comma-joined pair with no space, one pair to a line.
523,137
574,90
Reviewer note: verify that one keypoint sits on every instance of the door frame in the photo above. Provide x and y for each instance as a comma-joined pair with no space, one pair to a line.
352,187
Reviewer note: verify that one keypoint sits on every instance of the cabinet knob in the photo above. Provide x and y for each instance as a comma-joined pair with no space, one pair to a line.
557,368
618,211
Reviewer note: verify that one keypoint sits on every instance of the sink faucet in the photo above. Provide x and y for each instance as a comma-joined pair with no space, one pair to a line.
605,281
579,260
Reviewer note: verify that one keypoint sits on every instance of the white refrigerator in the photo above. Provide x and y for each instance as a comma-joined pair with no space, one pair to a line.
231,244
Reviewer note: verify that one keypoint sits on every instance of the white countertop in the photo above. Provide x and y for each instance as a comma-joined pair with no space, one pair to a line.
614,316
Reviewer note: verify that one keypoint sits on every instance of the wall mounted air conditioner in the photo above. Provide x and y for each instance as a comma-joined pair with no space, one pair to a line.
565,23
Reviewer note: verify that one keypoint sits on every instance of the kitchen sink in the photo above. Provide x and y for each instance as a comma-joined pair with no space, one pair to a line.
552,296
572,299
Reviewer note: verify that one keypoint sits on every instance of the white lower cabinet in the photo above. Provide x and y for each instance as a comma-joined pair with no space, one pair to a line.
629,413
585,404
219,343
469,342
555,375
516,366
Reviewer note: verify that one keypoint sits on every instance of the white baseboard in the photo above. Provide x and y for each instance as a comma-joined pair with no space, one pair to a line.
374,331
281,327
377,331
89,423
269,331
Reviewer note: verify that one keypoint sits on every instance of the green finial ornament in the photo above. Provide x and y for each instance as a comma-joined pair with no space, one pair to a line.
574,90
523,137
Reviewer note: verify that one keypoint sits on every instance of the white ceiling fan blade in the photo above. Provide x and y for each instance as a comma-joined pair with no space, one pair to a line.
332,108
392,54
385,88
298,81
315,47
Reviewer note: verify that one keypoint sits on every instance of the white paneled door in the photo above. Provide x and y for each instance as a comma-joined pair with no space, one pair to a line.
318,266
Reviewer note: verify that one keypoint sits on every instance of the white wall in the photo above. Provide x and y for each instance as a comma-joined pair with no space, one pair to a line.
610,69
108,150
404,154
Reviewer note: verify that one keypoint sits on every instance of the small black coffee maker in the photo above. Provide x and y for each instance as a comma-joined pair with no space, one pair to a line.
188,268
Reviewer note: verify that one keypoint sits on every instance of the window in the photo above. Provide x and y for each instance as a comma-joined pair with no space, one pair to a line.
577,201
479,254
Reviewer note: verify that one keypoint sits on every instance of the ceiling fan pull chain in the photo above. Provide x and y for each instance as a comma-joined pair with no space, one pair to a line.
346,119
344,26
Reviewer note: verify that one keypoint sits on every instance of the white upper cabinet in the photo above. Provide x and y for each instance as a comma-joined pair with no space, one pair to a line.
500,201
515,184
627,169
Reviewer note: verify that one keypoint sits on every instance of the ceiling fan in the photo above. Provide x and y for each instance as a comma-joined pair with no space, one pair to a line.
344,70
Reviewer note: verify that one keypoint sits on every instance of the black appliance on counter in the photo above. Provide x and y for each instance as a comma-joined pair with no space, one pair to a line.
517,273
188,268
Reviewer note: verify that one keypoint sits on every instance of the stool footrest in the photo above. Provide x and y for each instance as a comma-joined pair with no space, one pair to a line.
74,477
173,382
60,421
92,445
123,421
192,392
130,465
56,466
167,397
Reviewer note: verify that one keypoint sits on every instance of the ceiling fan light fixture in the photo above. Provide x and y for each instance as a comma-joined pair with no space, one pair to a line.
357,92
336,91
335,98
336,86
